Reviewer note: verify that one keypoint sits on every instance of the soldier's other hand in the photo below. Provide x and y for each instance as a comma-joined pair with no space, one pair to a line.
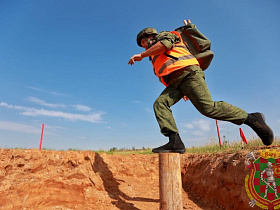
134,58
185,98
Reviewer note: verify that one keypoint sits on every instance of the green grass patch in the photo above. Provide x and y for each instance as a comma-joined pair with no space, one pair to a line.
126,151
235,146
210,147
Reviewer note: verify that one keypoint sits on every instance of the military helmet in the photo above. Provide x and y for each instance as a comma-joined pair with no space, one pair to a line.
144,33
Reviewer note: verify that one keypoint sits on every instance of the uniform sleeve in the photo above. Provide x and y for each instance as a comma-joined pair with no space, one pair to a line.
167,39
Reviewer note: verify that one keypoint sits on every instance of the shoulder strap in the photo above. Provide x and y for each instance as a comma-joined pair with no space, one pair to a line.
171,56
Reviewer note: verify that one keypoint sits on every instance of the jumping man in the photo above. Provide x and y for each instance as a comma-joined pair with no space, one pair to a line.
180,72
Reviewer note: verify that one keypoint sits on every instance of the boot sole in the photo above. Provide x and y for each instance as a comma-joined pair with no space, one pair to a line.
180,151
270,142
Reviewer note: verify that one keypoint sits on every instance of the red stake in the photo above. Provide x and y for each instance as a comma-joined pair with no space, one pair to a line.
243,136
41,141
218,130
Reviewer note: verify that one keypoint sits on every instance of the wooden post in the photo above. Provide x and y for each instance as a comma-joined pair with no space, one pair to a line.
170,182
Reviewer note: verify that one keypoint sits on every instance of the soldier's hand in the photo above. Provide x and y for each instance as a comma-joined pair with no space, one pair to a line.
185,98
134,58
187,22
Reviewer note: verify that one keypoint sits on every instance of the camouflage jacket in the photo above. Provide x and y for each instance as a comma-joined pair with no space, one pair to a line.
167,39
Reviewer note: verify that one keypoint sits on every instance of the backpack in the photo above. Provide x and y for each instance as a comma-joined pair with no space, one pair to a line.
197,44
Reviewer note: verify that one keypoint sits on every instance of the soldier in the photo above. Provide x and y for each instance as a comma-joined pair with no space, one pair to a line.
270,179
180,72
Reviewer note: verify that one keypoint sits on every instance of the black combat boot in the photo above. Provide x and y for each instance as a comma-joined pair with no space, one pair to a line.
257,122
175,145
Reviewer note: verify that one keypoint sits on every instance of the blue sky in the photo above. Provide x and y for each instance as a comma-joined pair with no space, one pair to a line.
65,64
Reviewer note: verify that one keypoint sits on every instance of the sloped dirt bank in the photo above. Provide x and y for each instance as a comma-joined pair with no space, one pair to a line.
218,181
32,179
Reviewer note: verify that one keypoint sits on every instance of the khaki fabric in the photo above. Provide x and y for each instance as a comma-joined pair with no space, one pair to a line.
198,44
195,88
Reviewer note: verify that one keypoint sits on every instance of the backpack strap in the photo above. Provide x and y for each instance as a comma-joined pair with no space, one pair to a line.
171,56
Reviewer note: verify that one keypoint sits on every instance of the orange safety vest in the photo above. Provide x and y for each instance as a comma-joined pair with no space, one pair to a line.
176,58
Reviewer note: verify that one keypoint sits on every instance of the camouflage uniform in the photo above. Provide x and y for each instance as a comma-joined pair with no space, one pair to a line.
190,82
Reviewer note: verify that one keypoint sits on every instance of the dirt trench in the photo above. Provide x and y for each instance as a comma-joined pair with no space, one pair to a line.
32,179
216,181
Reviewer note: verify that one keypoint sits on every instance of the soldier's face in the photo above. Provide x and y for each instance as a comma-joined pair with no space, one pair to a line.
144,44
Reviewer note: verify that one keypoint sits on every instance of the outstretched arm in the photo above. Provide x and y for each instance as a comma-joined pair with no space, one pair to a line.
156,49
262,174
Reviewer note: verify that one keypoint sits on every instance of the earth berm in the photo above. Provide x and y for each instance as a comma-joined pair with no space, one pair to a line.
33,179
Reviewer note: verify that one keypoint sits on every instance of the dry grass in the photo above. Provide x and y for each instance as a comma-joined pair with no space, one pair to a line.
214,147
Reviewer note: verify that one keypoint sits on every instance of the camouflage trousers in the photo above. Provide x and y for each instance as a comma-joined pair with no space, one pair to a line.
195,88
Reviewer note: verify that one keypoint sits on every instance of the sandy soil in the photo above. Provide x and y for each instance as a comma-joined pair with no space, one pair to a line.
33,179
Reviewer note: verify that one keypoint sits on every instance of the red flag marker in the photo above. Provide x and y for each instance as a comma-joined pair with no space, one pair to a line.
243,136
218,130
41,141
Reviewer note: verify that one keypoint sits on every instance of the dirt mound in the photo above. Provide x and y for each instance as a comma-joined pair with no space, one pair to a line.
32,179
216,180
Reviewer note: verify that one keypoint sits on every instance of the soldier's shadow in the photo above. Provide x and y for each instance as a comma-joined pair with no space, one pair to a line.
111,186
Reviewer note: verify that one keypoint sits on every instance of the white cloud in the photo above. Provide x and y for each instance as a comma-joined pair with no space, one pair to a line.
44,91
12,106
189,126
78,107
203,125
28,111
198,127
17,127
149,110
94,118
34,88
82,108
57,94
43,103
198,133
